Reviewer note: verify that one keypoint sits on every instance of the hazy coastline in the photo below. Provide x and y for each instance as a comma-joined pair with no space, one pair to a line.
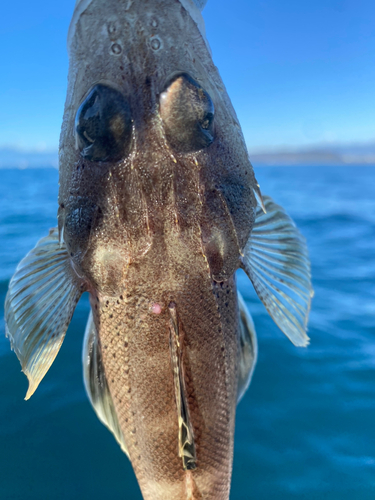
360,154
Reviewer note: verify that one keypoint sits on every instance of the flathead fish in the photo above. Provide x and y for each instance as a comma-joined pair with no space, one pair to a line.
158,208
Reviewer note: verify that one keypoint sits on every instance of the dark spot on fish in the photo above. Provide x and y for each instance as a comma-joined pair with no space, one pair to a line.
81,215
107,302
71,254
121,297
113,381
126,344
105,347
222,349
129,390
96,306
110,316
114,354
62,205
122,68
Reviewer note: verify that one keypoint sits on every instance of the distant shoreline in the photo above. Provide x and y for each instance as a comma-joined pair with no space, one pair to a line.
324,155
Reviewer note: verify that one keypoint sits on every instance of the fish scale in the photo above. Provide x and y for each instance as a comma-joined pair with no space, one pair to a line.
150,377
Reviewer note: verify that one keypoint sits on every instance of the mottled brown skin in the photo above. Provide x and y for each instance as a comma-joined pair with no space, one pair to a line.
158,227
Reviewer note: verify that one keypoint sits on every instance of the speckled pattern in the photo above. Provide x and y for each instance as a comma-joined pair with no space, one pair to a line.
138,366
157,227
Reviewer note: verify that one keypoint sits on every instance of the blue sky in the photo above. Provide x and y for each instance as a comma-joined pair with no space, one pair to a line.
299,72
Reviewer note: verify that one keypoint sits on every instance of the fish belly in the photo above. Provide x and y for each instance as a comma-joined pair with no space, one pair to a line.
137,337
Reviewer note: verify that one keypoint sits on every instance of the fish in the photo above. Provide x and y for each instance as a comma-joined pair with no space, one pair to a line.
158,207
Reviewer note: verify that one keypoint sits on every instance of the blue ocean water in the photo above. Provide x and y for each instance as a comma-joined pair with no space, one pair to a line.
305,429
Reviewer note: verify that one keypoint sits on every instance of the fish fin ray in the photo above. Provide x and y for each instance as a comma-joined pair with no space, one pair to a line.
258,196
96,383
39,305
277,262
248,352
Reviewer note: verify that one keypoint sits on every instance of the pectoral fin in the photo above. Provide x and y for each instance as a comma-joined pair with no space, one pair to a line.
248,349
96,383
277,262
39,305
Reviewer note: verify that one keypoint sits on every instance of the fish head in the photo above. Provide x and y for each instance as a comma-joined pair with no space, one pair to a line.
146,109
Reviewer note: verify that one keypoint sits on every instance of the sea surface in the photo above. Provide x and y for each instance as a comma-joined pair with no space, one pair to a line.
306,427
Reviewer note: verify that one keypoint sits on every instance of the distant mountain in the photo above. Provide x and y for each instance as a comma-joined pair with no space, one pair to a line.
335,154
19,158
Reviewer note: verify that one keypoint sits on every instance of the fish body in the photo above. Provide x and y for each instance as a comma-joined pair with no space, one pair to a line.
157,210
149,218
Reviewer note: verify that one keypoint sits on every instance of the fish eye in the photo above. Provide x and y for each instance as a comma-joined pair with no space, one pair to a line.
103,125
188,113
